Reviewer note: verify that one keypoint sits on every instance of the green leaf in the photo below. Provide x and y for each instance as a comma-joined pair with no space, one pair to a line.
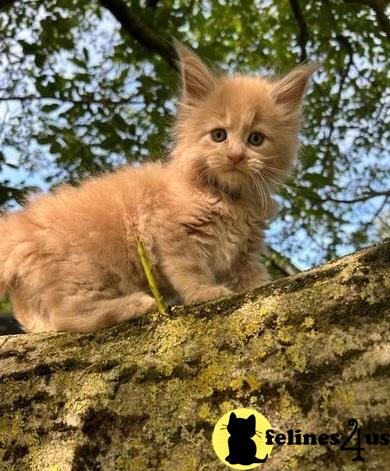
50,108
317,180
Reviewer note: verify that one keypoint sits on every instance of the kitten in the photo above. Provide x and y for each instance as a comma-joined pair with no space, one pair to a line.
69,259
242,449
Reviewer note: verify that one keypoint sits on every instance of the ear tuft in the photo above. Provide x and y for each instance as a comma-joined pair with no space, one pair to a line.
197,80
289,90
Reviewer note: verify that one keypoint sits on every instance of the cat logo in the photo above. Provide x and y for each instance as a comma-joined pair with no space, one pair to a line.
239,439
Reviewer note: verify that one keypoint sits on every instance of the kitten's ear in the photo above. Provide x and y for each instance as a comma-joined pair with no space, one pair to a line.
232,417
197,80
251,420
289,90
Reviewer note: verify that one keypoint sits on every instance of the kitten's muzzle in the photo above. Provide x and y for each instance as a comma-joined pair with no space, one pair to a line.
236,158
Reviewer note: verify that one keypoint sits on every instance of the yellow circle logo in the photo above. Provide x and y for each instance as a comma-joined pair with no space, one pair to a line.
239,439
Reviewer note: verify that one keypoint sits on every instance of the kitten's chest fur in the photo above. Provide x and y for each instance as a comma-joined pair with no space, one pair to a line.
224,228
232,234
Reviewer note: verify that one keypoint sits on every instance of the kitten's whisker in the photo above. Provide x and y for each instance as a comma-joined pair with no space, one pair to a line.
268,175
262,190
269,178
266,191
276,171
255,184
275,182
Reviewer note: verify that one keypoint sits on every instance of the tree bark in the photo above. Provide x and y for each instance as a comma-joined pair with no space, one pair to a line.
134,26
309,352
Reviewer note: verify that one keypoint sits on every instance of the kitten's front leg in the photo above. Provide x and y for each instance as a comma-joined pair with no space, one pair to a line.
192,279
248,273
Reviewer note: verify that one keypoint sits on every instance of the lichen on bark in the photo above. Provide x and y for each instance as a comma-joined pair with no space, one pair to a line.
308,352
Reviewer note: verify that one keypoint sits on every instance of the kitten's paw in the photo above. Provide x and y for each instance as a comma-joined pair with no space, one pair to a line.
145,303
220,292
207,293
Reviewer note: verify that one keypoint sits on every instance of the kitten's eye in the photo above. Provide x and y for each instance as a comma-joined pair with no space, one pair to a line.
218,135
255,138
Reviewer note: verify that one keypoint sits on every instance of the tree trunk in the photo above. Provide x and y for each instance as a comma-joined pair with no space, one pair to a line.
309,352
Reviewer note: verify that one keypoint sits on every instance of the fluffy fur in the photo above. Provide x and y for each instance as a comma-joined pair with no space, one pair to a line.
69,259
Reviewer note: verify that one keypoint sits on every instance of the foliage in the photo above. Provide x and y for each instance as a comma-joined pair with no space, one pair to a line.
5,308
87,86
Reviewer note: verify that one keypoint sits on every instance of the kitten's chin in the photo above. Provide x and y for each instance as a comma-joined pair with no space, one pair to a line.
228,180
231,179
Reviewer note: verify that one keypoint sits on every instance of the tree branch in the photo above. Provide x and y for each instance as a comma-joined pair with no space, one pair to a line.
311,350
379,7
303,36
372,220
6,3
344,42
145,36
278,261
87,101
151,3
358,199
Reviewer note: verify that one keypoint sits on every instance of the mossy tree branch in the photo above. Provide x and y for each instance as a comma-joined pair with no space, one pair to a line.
309,352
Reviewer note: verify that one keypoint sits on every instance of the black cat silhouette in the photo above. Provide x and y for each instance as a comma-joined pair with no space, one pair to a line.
242,449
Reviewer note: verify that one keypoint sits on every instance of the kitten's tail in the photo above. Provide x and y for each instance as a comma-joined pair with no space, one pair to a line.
261,460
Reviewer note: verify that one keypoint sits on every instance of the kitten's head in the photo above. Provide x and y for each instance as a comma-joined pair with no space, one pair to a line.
237,131
241,428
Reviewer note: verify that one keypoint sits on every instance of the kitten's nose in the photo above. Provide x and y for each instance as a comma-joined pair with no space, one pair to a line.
236,158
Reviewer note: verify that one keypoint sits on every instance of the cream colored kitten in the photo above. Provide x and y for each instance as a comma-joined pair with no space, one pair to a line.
69,259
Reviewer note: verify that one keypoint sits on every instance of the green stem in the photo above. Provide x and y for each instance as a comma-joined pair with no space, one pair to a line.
150,277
